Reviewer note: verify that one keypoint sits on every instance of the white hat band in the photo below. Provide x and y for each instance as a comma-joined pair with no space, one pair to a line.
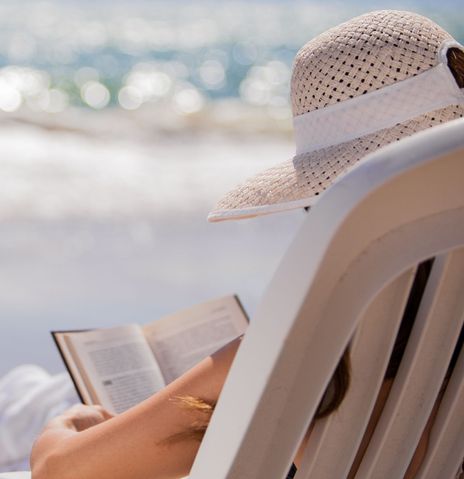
383,108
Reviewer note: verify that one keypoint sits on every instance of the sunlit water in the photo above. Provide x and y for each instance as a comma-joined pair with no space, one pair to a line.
121,124
185,55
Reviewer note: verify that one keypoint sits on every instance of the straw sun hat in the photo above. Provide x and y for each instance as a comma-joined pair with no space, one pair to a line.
361,85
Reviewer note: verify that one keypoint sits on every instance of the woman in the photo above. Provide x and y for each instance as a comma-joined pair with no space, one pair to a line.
337,120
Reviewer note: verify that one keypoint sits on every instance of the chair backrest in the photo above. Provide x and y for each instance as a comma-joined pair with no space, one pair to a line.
346,277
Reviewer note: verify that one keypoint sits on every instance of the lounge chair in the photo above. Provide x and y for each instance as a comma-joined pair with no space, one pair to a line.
346,277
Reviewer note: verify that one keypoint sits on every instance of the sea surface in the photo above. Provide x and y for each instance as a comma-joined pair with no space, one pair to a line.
121,124
176,56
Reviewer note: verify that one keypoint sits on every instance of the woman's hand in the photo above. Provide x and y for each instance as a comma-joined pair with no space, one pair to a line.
68,424
81,417
83,444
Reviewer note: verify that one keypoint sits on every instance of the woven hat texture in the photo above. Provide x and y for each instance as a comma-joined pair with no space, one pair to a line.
360,56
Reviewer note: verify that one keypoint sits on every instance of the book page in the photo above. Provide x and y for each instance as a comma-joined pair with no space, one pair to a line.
181,340
119,365
71,360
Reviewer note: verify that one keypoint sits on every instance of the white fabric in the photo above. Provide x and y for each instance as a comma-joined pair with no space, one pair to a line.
384,108
29,397
16,475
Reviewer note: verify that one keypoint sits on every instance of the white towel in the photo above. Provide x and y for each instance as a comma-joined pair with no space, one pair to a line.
29,397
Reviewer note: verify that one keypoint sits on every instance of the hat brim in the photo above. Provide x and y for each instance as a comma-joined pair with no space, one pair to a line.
299,182
253,211
293,184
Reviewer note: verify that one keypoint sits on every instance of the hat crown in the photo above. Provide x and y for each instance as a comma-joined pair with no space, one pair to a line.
362,55
393,64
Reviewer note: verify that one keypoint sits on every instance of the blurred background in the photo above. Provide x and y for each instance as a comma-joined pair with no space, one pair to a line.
121,124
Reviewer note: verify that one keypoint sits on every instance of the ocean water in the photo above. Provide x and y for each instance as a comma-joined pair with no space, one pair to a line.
121,124
179,56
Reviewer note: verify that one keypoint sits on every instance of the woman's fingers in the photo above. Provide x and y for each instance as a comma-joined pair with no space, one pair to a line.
82,417
104,412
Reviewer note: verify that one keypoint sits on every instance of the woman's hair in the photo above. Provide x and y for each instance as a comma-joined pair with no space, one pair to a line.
455,58
340,381
203,408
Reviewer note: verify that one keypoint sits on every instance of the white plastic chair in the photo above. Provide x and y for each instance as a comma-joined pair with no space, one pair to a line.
347,272
347,276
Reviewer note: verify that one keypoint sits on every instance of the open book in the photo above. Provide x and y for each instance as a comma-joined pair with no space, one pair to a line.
120,367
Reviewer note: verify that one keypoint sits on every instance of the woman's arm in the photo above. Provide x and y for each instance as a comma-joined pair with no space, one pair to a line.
133,444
